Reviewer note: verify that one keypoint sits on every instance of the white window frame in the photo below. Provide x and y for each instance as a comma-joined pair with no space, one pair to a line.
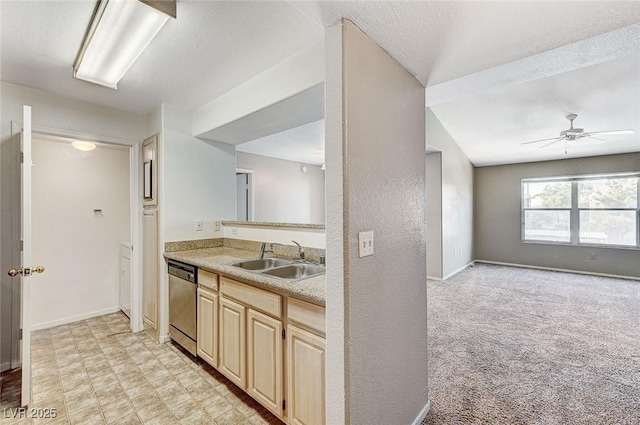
574,215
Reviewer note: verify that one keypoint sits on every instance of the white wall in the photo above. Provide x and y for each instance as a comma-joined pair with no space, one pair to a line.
196,182
336,337
283,193
312,238
433,185
457,198
383,175
498,218
199,179
55,114
79,248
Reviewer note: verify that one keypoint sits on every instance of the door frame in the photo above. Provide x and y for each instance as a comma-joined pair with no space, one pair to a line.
15,301
135,195
251,198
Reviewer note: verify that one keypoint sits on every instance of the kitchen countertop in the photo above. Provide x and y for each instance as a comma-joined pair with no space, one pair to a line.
217,260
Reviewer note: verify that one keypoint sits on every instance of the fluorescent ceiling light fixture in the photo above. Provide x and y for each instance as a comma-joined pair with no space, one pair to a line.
118,33
84,146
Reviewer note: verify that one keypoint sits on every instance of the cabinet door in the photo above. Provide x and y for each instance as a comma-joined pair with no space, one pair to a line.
207,341
305,372
233,342
150,268
125,285
264,358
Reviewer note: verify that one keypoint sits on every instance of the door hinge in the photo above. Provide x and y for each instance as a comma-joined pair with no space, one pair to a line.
284,334
284,404
21,157
20,334
21,245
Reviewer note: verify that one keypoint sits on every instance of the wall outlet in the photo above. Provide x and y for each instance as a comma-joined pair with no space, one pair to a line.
592,256
234,231
198,225
216,226
365,243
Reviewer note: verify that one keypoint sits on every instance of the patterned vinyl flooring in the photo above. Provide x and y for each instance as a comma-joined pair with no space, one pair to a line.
97,372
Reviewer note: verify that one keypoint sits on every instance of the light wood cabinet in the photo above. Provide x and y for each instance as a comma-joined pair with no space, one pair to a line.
305,363
264,358
249,345
233,342
306,377
150,268
207,324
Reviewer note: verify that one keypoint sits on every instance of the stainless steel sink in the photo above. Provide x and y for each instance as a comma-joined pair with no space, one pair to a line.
261,264
296,271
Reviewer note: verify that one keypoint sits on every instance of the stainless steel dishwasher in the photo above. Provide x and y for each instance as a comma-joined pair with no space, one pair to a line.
183,284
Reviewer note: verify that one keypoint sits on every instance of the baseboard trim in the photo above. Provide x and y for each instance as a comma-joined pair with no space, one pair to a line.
5,366
433,278
72,319
422,414
164,339
553,269
469,264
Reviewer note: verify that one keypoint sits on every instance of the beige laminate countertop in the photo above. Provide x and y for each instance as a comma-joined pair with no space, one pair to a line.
217,260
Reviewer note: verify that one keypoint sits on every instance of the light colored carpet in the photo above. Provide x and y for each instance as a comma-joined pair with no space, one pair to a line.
520,346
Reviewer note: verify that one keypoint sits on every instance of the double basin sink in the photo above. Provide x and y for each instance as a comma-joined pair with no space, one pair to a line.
282,268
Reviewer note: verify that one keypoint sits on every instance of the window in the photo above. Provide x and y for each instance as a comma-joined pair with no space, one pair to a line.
588,210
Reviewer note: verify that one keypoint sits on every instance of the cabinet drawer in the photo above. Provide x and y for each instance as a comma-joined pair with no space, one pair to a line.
306,314
208,280
256,298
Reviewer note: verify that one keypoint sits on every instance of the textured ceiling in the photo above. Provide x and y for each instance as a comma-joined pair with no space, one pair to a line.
490,126
439,41
210,48
213,46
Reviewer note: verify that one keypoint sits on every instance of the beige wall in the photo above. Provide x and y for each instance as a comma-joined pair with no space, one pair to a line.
79,248
498,217
383,189
283,193
433,185
457,198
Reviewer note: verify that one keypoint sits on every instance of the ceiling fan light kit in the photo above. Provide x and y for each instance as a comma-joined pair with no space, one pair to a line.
118,33
572,134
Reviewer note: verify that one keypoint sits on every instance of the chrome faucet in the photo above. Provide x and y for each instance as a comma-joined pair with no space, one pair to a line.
264,250
300,251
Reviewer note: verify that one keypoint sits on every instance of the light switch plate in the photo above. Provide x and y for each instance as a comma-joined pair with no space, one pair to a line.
216,226
365,243
198,225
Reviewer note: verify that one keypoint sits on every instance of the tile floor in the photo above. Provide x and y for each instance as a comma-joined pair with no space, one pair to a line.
97,372
10,388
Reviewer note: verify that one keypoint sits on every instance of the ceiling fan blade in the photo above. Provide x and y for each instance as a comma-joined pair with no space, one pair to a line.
544,140
589,136
610,132
554,142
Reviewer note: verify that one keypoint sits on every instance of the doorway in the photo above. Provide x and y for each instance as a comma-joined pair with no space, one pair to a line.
61,300
244,195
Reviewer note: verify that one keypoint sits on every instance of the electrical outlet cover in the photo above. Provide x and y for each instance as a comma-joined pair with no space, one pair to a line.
365,243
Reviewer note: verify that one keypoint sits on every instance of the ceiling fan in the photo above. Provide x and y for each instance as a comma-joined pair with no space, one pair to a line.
572,134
